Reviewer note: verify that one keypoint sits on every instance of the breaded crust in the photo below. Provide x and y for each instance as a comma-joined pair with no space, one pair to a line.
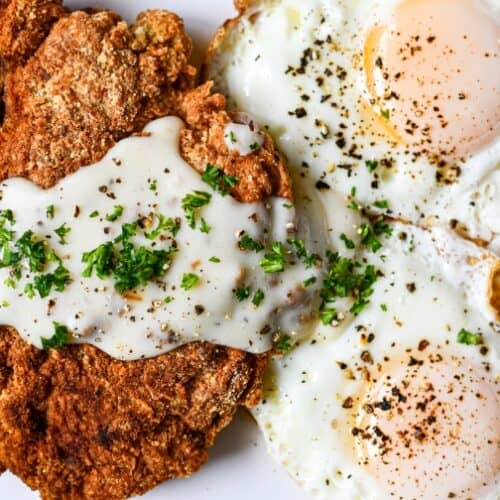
92,81
77,423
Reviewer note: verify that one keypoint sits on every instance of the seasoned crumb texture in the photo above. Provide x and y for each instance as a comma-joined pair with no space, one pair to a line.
91,82
77,423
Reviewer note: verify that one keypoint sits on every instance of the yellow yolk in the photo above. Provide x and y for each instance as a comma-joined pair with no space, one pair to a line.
428,427
433,73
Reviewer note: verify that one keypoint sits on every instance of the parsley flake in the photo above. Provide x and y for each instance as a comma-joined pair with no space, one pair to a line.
247,243
274,260
348,243
189,280
217,180
58,340
242,293
191,203
117,212
469,338
258,298
50,211
62,231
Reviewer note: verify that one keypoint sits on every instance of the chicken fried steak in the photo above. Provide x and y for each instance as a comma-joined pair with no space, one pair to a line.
76,423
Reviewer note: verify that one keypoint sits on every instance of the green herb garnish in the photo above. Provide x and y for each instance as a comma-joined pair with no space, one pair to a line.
113,216
469,338
217,180
274,260
247,243
301,251
62,231
345,279
164,224
348,243
191,203
50,211
205,228
242,293
283,344
383,204
189,280
258,298
58,340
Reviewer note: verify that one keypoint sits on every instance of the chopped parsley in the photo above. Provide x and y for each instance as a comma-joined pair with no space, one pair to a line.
310,281
217,180
469,338
287,205
383,204
214,259
345,278
258,298
168,299
232,137
153,185
371,165
191,203
274,260
353,204
254,146
205,228
164,224
348,243
50,211
62,231
189,280
58,340
94,214
383,307
130,265
242,293
283,344
33,250
247,243
29,290
301,251
369,234
385,113
44,283
113,216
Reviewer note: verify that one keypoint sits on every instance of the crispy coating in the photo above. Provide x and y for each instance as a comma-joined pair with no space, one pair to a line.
77,423
92,81
260,174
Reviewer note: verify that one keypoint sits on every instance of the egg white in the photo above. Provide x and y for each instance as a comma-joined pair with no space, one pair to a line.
258,66
302,418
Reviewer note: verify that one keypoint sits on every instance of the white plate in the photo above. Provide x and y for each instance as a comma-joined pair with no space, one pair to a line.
239,467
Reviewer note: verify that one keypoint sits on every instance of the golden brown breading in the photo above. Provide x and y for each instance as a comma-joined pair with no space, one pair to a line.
24,26
76,423
92,82
261,174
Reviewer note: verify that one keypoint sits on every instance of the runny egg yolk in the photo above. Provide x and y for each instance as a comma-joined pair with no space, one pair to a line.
433,75
429,427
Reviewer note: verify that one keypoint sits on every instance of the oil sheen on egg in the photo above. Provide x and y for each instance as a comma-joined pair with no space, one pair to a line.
400,99
401,401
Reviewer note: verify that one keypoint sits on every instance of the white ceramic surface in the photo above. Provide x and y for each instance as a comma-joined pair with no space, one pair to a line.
239,467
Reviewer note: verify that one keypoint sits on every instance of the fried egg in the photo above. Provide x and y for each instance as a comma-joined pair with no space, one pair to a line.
400,99
400,401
